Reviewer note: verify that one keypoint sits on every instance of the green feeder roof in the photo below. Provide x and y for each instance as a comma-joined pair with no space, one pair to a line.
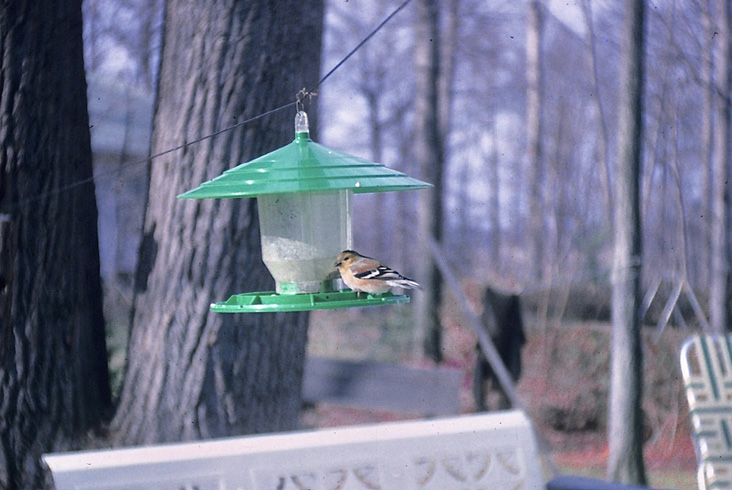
304,166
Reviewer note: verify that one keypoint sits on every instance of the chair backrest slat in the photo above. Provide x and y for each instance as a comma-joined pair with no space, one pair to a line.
706,367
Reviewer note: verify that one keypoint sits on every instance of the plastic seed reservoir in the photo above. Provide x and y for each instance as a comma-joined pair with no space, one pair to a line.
302,234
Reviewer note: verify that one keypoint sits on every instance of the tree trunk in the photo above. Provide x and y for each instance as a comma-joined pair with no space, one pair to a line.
602,131
191,373
54,385
625,463
448,54
718,287
534,131
494,214
375,130
428,153
704,265
450,11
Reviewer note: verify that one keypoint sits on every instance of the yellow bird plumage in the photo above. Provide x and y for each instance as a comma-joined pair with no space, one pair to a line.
364,274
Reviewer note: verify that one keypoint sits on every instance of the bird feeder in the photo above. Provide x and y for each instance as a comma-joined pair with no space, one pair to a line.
304,193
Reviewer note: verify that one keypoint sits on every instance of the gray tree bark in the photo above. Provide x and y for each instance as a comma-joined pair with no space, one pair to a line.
719,278
54,386
372,90
448,55
625,435
191,373
429,155
449,40
602,130
534,131
704,266
494,205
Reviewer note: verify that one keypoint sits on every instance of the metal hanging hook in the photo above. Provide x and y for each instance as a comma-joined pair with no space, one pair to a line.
301,96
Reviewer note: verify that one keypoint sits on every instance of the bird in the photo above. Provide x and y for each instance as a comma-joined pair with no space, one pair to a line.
364,274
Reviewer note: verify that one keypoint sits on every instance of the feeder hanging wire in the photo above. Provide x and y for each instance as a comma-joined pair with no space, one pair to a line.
302,94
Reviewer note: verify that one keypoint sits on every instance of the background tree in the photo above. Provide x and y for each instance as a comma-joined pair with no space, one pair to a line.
719,280
625,428
534,132
600,113
429,155
122,39
376,78
705,150
54,385
192,373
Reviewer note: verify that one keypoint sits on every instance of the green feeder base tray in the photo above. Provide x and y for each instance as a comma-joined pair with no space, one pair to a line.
271,302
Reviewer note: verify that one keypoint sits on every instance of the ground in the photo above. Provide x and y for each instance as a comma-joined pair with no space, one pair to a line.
564,384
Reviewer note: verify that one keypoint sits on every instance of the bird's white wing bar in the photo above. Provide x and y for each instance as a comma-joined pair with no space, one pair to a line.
382,272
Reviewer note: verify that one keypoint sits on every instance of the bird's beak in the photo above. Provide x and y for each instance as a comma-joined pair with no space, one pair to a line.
337,264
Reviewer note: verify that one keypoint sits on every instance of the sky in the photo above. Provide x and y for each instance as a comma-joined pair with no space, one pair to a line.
569,12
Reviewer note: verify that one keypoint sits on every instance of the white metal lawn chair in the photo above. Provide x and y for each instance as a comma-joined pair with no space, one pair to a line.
706,367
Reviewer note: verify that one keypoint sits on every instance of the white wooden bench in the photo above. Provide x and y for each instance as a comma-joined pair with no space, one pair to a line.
496,451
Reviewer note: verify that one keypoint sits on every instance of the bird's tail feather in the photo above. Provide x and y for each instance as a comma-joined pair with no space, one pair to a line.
404,283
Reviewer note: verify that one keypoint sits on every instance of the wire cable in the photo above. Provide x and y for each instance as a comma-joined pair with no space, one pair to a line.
301,95
359,45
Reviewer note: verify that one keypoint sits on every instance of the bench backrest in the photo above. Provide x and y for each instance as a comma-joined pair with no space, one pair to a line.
496,451
706,366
